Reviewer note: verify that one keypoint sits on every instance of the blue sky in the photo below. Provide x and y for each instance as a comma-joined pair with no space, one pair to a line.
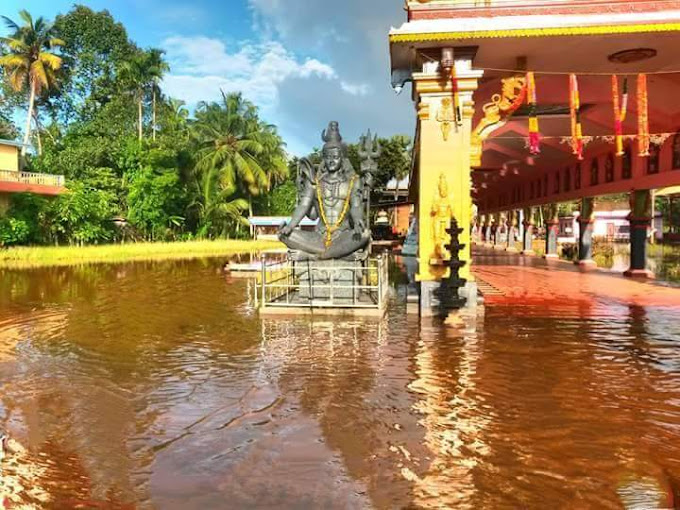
303,62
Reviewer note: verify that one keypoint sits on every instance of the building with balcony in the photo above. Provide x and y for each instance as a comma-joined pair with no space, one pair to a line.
13,180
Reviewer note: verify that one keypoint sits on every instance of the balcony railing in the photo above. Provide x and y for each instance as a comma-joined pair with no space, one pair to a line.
32,178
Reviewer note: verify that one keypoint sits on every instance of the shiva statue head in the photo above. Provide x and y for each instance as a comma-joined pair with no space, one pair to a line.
334,150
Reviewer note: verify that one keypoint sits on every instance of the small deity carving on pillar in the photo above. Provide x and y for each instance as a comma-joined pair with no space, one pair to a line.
446,117
441,213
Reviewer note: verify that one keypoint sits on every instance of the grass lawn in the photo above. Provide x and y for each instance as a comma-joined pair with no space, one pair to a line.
41,256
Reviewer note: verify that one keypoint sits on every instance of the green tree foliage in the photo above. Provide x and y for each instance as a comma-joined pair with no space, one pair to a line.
8,130
95,47
82,216
394,161
26,220
139,76
132,156
155,202
29,60
237,152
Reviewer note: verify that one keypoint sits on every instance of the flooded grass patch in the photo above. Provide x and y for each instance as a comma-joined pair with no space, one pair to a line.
44,256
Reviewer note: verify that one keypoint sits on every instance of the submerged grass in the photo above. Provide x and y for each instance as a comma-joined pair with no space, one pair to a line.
42,256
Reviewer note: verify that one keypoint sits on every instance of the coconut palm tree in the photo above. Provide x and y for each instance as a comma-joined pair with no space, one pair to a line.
157,68
30,61
217,215
244,153
141,72
135,78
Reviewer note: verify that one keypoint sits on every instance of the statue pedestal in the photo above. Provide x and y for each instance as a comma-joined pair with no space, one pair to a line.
357,287
328,279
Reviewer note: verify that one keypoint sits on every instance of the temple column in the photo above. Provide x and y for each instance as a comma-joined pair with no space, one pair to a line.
488,236
640,219
585,233
445,128
501,226
481,232
475,231
552,223
528,232
512,231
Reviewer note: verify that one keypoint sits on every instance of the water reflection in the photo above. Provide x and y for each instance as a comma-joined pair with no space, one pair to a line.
156,385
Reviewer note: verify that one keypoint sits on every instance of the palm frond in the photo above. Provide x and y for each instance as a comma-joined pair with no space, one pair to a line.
39,76
55,42
26,16
11,24
13,61
51,60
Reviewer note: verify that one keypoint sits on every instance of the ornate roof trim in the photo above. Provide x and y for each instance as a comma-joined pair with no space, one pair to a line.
535,32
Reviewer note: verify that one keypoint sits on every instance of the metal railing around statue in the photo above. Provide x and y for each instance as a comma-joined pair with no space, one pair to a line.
302,284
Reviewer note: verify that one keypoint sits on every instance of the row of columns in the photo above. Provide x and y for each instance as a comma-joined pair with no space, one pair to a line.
500,231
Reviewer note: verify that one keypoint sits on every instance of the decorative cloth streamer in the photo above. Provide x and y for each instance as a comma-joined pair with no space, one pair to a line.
575,112
643,115
620,111
534,136
456,96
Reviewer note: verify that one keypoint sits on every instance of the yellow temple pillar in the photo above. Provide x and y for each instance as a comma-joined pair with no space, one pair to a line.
444,184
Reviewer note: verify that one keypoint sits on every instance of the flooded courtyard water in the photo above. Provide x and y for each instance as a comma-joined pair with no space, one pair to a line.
157,386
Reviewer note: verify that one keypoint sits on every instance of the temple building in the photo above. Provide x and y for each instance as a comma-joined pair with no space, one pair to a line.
13,180
525,104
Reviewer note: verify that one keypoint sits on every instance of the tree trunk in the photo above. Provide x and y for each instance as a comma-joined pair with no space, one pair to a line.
140,120
153,113
37,132
29,117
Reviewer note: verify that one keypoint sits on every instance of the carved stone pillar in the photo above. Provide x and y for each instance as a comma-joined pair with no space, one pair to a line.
512,232
585,233
640,219
501,232
528,232
445,127
552,223
488,231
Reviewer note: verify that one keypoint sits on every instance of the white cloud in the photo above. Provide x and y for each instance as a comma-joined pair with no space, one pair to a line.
355,89
202,66
348,81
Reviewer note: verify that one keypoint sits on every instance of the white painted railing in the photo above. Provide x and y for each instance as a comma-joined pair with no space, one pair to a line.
32,178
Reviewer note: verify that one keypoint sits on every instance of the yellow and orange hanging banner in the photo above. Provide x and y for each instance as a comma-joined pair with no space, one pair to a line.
456,97
534,136
643,115
620,111
575,112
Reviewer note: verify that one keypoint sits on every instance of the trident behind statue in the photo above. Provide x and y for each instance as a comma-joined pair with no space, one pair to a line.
369,152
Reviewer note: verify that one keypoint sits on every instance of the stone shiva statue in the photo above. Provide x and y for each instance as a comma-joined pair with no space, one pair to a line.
335,194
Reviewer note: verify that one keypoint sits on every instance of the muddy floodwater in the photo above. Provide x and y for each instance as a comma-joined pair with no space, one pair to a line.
156,385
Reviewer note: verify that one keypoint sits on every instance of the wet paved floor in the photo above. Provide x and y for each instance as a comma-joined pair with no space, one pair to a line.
533,283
